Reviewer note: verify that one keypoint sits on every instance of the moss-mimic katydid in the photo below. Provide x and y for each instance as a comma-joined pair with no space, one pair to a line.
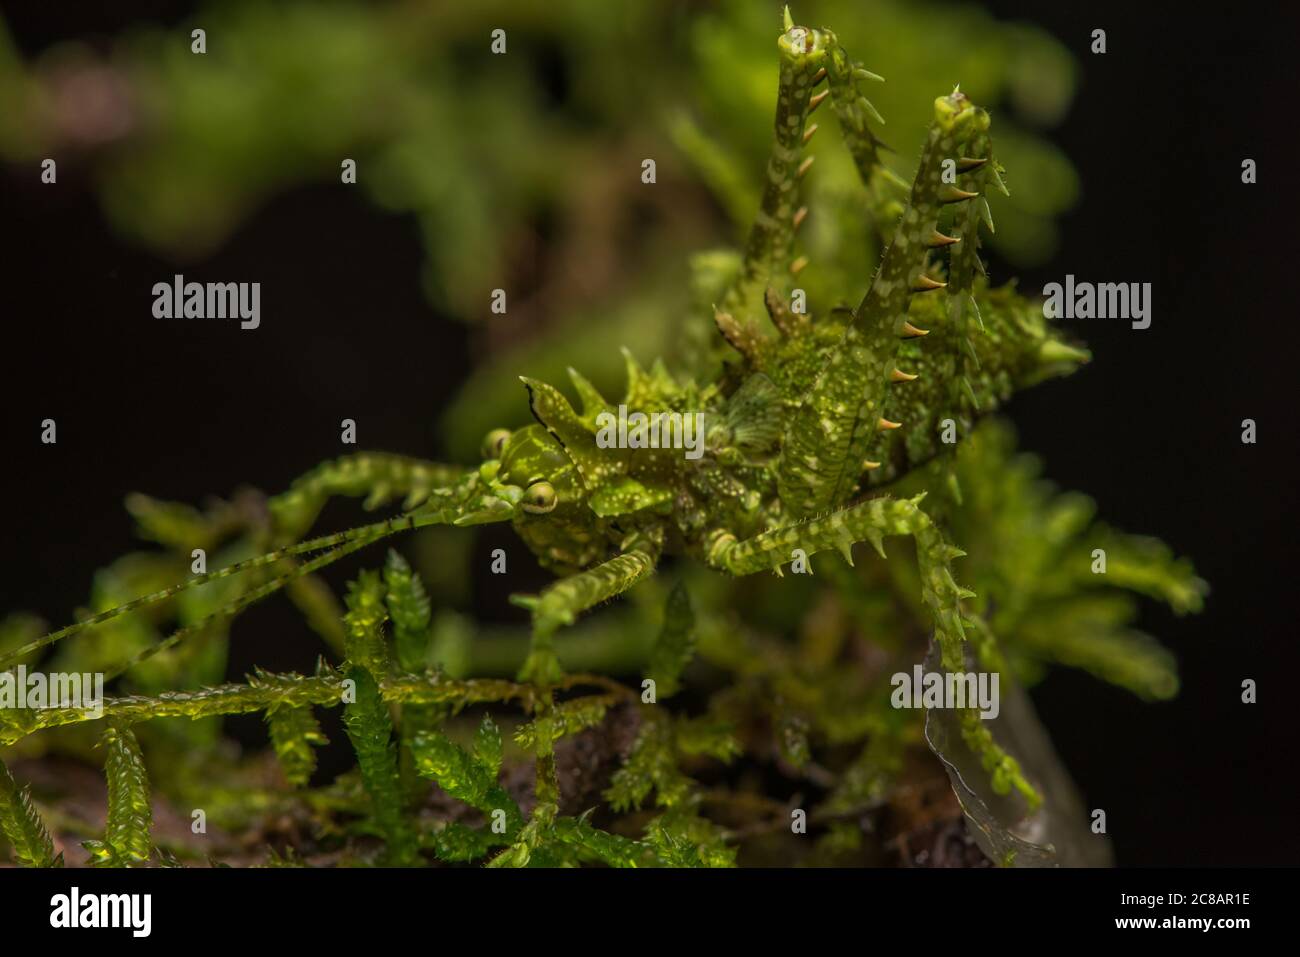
811,416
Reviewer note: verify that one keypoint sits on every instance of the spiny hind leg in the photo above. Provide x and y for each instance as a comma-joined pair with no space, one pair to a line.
559,604
869,521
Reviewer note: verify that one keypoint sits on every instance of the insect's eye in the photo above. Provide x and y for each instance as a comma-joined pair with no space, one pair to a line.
494,442
540,498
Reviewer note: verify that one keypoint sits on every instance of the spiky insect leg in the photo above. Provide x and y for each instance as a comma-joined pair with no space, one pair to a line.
769,249
887,189
559,604
827,440
979,171
378,476
870,521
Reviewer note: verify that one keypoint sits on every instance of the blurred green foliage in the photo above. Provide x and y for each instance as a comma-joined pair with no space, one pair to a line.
500,156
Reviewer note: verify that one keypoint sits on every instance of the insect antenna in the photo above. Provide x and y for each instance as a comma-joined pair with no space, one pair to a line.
244,601
359,537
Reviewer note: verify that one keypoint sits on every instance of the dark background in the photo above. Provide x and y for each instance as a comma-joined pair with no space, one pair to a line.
1151,429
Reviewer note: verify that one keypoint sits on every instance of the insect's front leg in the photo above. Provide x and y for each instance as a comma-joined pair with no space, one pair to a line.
376,475
867,521
560,604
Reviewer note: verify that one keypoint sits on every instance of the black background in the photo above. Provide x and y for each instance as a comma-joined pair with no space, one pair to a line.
1151,429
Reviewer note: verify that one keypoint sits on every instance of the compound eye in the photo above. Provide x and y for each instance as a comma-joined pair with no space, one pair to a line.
540,498
494,442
